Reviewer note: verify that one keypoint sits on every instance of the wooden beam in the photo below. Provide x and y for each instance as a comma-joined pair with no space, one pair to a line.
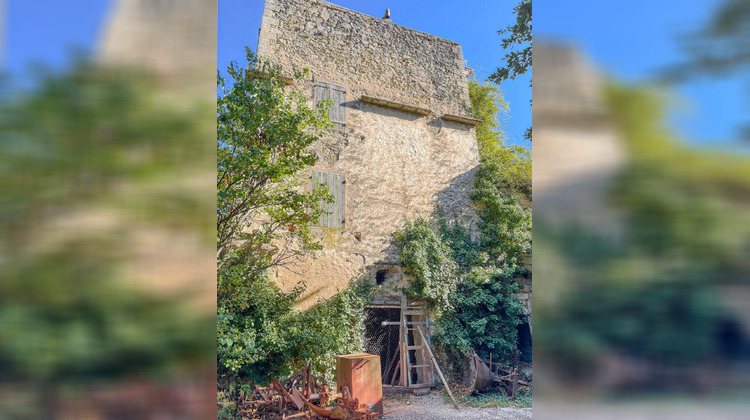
442,378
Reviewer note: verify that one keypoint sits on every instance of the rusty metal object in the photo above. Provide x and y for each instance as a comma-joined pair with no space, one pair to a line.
484,376
489,373
360,372
303,396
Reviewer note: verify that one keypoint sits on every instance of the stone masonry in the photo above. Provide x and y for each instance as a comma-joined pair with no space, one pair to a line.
403,148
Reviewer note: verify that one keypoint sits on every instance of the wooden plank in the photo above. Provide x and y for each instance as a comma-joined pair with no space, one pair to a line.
429,335
402,342
333,213
408,355
331,190
340,201
388,367
337,95
338,112
447,388
398,368
322,93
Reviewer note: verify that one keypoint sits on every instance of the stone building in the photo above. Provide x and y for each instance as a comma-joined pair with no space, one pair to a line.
403,142
403,145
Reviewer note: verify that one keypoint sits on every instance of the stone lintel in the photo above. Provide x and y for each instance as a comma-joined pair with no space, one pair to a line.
395,105
257,74
466,120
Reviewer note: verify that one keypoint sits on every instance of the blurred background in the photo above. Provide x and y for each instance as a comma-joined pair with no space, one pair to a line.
641,177
107,213
641,233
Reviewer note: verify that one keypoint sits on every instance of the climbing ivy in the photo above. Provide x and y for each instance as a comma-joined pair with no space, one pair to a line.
428,263
483,316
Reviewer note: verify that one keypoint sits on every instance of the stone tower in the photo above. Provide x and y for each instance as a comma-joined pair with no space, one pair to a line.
403,142
577,152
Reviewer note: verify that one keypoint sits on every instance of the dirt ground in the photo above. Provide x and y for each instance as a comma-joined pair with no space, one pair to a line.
432,406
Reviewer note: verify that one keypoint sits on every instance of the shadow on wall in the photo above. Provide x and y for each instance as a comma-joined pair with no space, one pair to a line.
438,124
455,203
382,111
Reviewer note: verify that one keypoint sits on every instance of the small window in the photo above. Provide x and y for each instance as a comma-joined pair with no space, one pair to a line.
333,213
386,274
380,276
337,94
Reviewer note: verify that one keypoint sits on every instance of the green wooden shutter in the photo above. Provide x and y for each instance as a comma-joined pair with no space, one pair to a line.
333,213
337,94
337,113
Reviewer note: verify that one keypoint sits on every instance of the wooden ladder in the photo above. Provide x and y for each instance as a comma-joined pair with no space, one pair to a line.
424,367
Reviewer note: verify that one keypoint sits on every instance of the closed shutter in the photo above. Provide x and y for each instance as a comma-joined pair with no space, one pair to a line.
337,94
333,213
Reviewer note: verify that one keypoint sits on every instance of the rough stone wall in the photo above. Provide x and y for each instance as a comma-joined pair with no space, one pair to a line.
398,165
176,39
370,56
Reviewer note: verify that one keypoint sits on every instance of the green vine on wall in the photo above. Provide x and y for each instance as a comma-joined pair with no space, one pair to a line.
431,271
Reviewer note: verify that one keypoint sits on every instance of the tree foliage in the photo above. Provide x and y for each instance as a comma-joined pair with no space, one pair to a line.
512,163
505,224
719,47
653,295
483,317
263,137
264,134
78,145
517,62
472,282
261,335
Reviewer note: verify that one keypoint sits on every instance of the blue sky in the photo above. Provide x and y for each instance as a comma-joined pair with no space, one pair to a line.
47,31
472,23
631,40
628,40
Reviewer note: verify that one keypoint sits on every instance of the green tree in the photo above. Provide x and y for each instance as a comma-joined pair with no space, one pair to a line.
263,136
719,48
514,161
264,217
517,62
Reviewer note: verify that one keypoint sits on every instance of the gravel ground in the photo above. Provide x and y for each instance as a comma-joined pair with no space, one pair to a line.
432,406
687,410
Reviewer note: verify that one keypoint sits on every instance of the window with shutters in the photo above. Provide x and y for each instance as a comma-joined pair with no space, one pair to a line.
337,94
333,213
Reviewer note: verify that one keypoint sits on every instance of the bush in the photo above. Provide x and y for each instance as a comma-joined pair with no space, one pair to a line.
262,336
484,315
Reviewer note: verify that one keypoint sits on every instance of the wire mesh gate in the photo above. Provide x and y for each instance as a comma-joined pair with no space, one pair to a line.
390,332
